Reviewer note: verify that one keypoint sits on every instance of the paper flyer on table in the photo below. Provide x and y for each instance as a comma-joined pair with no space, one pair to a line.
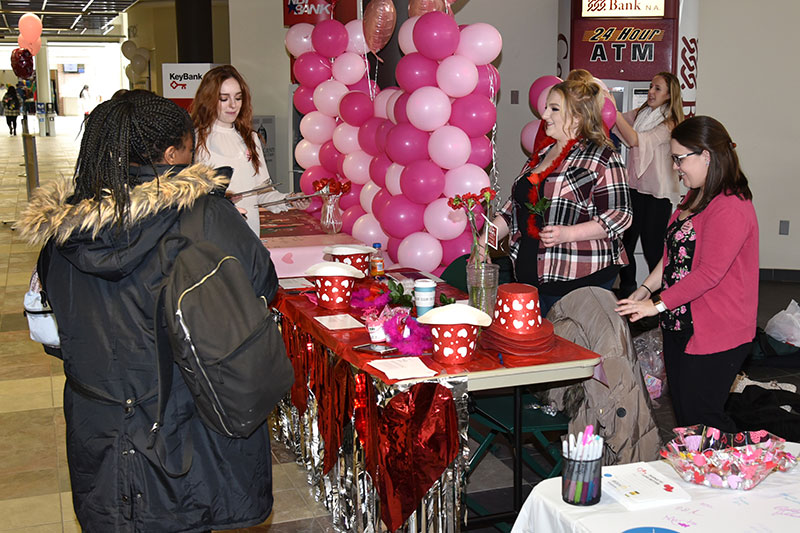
400,368
295,283
640,486
335,322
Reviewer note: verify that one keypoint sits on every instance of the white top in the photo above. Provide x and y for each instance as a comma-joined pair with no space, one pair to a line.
225,147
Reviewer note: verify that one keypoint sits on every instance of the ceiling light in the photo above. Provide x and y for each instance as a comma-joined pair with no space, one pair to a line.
75,22
90,2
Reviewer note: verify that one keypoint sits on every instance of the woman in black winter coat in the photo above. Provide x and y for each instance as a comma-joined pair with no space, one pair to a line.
101,269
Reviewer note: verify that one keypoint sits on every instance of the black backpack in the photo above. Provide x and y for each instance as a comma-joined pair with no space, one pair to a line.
222,336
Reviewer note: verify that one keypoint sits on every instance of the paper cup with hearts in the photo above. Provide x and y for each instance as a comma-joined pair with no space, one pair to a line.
350,254
454,329
334,283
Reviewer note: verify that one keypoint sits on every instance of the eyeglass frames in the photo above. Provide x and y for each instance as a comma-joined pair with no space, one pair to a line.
678,158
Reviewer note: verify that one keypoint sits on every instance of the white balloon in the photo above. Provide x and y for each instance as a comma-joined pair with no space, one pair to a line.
139,64
144,52
393,174
129,49
355,33
131,75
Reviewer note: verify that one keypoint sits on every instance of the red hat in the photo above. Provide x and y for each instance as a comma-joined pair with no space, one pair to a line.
517,314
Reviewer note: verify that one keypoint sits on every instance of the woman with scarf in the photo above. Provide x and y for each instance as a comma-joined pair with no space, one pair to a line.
654,185
569,206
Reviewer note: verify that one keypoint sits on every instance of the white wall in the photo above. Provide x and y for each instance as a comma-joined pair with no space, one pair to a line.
747,74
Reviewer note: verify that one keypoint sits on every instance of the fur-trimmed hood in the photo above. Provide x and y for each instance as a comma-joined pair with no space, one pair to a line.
86,233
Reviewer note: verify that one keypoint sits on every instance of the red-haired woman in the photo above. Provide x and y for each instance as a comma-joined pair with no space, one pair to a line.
222,113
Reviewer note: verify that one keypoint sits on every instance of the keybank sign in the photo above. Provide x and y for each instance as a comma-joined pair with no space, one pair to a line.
309,7
180,81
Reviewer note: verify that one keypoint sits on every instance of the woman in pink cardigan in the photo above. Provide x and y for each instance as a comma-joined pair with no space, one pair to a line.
708,278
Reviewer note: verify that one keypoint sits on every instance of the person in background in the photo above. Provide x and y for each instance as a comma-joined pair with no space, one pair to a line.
101,264
85,99
576,241
11,106
222,112
653,183
708,276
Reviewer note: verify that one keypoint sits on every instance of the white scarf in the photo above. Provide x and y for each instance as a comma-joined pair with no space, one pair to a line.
648,118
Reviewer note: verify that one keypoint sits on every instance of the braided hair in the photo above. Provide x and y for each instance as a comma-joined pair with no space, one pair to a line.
133,128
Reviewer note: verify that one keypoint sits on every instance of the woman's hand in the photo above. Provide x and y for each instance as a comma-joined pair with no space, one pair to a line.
299,204
636,309
639,295
551,236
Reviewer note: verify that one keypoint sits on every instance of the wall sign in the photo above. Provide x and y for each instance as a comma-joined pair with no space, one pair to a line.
619,8
179,81
311,11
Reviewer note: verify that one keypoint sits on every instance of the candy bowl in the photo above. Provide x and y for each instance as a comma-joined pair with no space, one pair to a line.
350,254
454,329
334,283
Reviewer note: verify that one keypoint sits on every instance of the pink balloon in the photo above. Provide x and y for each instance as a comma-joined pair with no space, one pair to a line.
314,207
355,33
405,36
345,138
401,217
303,99
392,246
365,85
379,203
367,230
405,143
382,135
368,132
380,101
443,222
306,154
317,127
30,26
34,46
365,197
329,157
528,135
298,39
457,76
414,71
351,197
540,86
428,108
401,108
348,68
377,169
327,96
436,35
390,105
609,113
349,217
355,108
311,69
481,43
420,250
393,175
488,81
455,248
481,153
475,114
449,147
422,181
312,174
329,38
465,179
356,166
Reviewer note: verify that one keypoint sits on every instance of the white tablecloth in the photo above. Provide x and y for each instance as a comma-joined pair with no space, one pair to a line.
773,506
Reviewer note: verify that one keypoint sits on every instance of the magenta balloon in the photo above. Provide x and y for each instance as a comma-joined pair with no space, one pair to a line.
328,95
382,135
475,114
355,108
415,71
464,179
380,101
303,99
312,174
488,81
401,217
405,36
329,157
367,133
422,181
306,154
400,108
365,85
393,175
311,69
609,113
368,230
428,108
481,154
350,215
365,197
481,43
317,127
391,248
455,248
457,76
527,136
405,144
436,35
329,38
349,68
356,166
355,33
351,197
377,169
298,39
314,206
443,222
379,202
539,86
345,138
449,147
420,250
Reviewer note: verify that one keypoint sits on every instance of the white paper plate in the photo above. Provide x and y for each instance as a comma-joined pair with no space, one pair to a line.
347,249
329,268
456,314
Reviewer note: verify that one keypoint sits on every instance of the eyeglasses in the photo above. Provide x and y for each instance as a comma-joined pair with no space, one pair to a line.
678,158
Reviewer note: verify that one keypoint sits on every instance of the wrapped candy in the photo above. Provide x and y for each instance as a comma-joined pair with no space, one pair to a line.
706,456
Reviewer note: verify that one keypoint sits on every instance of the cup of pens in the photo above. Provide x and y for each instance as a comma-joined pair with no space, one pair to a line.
583,463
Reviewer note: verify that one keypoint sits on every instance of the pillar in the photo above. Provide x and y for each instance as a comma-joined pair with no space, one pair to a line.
194,31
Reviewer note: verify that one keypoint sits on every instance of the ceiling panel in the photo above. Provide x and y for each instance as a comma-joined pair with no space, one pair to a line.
63,17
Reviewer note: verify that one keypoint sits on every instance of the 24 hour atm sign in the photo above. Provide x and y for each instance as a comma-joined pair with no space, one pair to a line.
629,49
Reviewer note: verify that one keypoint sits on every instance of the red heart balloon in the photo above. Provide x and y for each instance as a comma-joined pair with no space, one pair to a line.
22,63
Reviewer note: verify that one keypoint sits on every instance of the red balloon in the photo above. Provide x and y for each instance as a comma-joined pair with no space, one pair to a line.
329,38
401,217
367,133
349,217
311,175
311,69
377,169
303,99
382,134
351,197
355,108
365,85
400,113
455,248
436,35
481,154
379,202
414,71
392,247
475,114
422,181
329,157
406,144
488,81
22,63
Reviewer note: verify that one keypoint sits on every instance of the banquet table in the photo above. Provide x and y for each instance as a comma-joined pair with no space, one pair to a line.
388,455
772,506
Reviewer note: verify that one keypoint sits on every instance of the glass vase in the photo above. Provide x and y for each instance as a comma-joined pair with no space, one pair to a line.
482,280
331,216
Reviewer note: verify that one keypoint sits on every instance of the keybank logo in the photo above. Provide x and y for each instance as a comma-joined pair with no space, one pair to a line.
308,7
184,76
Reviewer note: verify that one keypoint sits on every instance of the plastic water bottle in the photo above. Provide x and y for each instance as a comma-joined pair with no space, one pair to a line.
376,261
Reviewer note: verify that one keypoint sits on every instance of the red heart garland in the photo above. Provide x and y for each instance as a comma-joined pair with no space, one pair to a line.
22,63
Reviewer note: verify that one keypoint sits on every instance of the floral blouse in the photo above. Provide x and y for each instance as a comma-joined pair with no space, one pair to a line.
678,263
